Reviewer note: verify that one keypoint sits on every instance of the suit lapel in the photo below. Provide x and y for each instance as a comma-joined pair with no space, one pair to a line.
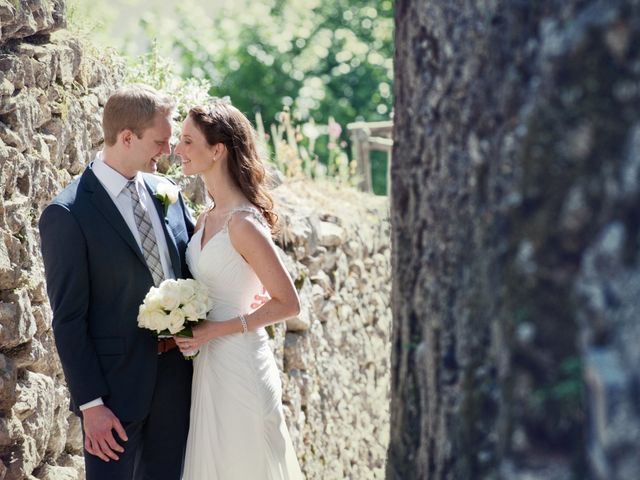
171,242
103,203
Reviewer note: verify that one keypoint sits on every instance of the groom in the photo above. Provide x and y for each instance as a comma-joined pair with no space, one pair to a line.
106,240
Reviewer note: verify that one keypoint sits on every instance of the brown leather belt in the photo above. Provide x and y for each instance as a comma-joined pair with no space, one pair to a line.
166,344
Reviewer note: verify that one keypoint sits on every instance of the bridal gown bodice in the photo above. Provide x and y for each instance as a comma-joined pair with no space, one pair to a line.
230,281
237,428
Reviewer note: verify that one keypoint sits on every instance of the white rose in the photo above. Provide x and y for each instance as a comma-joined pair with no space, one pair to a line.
187,289
192,311
153,299
170,294
176,321
159,320
168,191
143,316
153,319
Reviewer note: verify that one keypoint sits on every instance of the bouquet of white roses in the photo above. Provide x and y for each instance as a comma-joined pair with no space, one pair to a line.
174,307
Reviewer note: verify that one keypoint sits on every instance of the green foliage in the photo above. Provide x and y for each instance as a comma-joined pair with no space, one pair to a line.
297,66
160,73
85,18
290,145
379,172
293,148
566,392
321,60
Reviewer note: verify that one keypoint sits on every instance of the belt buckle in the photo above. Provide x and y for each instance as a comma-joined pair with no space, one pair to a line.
165,345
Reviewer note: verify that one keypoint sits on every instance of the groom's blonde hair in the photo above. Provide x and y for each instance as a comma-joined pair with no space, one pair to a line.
133,107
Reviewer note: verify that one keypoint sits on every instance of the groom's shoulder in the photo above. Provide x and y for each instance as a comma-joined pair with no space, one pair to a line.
76,192
68,196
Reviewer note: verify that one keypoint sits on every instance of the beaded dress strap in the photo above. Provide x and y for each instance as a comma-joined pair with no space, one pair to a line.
254,211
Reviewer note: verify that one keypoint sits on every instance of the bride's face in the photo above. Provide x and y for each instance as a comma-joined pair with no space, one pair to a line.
194,151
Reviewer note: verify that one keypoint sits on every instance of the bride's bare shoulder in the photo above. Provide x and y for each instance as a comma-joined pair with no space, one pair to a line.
247,226
246,218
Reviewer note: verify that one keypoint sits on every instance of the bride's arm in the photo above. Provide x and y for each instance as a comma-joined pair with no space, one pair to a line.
260,253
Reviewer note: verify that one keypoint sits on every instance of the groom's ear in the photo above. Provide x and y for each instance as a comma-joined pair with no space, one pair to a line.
126,137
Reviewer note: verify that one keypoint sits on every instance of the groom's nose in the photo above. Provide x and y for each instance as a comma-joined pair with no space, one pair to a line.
166,148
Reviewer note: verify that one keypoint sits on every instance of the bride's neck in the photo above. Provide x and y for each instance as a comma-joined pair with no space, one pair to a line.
225,194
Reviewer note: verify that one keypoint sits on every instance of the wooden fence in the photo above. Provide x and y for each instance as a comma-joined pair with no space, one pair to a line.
365,138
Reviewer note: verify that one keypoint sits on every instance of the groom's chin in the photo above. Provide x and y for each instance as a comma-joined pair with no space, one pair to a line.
151,167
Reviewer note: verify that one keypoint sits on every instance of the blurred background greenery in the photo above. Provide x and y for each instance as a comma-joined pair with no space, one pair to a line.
300,69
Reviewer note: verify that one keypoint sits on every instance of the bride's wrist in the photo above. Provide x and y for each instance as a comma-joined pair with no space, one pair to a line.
211,330
244,328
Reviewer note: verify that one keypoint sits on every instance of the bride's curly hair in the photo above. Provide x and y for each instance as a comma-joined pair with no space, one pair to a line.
221,122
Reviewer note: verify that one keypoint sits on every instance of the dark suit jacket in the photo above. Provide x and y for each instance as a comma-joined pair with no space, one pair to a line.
96,280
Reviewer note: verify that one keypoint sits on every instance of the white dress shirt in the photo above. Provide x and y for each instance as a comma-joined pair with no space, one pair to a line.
115,185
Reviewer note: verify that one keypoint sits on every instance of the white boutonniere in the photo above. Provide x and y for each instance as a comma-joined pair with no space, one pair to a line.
167,193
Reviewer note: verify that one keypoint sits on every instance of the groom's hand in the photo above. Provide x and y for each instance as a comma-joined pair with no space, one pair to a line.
98,423
260,299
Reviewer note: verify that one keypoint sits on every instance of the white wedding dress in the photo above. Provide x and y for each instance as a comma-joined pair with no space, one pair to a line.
237,429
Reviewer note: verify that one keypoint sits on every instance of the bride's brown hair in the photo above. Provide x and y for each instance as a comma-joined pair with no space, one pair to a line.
221,122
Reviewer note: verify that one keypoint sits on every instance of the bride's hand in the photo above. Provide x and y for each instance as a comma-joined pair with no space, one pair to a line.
202,333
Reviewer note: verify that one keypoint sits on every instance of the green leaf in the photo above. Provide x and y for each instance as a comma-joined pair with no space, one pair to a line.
186,332
271,331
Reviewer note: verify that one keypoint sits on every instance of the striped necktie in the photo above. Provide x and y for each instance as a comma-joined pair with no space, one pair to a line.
147,236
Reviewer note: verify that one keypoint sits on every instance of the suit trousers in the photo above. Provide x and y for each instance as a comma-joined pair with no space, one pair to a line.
156,446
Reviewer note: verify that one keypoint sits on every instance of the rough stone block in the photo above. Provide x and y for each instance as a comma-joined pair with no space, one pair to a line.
58,438
8,274
12,70
22,459
74,433
69,55
329,234
296,351
8,380
10,254
26,18
49,472
11,138
57,129
17,209
16,320
302,321
35,408
25,112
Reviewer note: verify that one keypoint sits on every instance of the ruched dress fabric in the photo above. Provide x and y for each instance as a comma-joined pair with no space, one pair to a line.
237,429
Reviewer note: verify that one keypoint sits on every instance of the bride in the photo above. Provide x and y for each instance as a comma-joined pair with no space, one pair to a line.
237,428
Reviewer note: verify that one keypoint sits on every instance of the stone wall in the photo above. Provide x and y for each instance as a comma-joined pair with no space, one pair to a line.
334,357
515,231
50,98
